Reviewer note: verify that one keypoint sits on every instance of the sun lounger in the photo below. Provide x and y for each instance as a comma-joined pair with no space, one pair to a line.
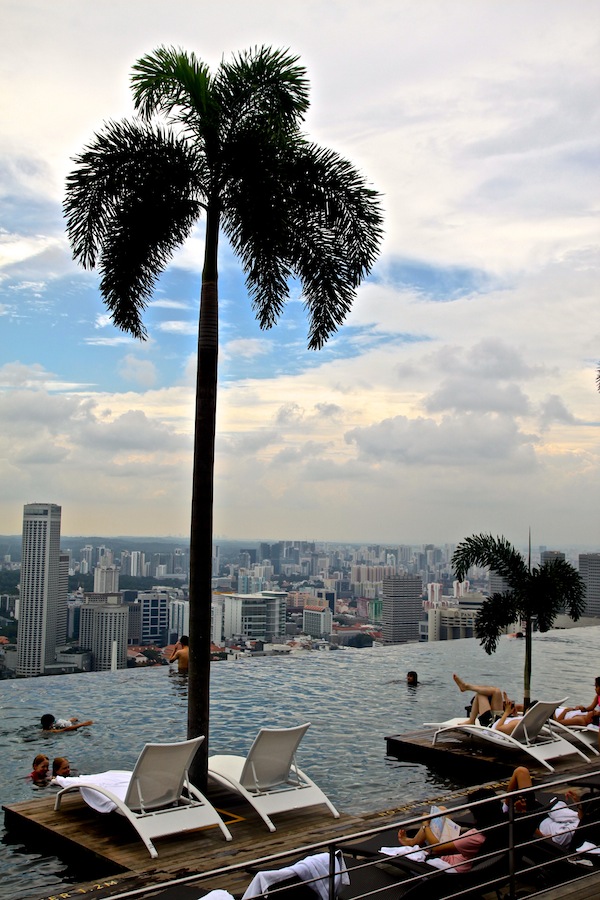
528,737
268,776
156,798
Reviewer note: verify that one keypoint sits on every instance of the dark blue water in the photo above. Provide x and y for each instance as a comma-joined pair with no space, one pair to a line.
353,698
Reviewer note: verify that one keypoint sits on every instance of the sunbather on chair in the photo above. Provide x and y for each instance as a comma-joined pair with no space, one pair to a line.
457,855
491,707
567,821
581,715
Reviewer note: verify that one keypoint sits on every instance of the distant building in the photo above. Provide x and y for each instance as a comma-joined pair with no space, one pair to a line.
102,624
402,608
259,616
179,619
589,569
106,579
40,588
155,617
317,621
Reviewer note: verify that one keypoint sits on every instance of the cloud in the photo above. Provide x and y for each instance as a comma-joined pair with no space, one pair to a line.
246,348
140,371
462,440
177,327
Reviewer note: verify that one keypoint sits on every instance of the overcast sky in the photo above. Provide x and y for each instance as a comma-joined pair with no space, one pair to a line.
460,395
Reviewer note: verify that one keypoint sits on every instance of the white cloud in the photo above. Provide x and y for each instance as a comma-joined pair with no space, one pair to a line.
177,327
142,372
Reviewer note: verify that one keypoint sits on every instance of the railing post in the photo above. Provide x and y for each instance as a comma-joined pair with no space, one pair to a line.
511,847
332,872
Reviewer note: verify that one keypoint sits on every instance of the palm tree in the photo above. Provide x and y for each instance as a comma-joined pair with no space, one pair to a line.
229,148
538,593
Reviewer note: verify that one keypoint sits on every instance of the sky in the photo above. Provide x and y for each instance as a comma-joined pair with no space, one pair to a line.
459,396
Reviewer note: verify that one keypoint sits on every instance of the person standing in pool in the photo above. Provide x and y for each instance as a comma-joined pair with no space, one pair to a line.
181,653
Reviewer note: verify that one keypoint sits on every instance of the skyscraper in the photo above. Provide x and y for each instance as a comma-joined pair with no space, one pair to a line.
101,625
40,588
589,569
402,608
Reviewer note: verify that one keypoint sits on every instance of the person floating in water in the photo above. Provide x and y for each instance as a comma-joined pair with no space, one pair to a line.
55,726
181,653
40,766
412,679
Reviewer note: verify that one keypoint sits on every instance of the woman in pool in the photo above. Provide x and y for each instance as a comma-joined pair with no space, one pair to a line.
39,773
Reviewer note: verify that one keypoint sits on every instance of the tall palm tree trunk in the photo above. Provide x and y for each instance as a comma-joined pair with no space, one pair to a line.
528,661
201,534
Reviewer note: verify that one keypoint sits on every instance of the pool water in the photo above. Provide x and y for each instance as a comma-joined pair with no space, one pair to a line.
353,699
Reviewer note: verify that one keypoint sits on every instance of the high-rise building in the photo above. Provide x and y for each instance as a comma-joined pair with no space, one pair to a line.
101,627
589,569
402,608
155,617
317,621
106,579
40,588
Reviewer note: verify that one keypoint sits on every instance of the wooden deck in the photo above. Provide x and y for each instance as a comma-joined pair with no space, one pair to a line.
107,846
477,761
113,860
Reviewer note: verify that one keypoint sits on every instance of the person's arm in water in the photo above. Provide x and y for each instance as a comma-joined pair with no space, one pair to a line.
71,727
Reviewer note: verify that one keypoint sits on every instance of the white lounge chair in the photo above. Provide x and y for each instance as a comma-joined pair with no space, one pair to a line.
268,777
534,735
157,797
585,736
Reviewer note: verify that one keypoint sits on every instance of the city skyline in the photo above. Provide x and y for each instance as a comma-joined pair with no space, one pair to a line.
460,395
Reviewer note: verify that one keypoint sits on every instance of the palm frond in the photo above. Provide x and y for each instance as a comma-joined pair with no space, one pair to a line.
169,79
261,86
498,554
496,614
556,586
131,200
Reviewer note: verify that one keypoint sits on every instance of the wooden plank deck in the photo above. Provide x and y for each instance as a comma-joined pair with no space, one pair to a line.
116,858
477,760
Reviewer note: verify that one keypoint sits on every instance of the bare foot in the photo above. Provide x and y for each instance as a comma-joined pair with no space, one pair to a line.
463,686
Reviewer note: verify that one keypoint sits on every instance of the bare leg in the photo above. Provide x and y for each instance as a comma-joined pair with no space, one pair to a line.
520,778
491,697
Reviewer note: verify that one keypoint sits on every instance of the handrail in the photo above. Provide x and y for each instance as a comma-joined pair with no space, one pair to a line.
333,846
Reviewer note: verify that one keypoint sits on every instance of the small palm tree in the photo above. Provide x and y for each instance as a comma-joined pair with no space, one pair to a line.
531,593
229,148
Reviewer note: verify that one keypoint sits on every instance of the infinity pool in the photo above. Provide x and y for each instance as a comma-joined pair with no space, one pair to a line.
353,698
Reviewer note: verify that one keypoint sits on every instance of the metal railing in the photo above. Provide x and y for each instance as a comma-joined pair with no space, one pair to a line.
520,856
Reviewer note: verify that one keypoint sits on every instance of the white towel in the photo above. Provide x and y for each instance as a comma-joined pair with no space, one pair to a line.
560,824
312,867
115,781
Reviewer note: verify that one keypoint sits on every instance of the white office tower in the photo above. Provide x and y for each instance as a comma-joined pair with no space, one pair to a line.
63,592
589,569
106,579
40,588
179,618
155,616
317,621
100,625
402,608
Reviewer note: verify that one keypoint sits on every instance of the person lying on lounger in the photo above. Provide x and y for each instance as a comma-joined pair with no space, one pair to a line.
581,715
459,853
490,705
565,822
